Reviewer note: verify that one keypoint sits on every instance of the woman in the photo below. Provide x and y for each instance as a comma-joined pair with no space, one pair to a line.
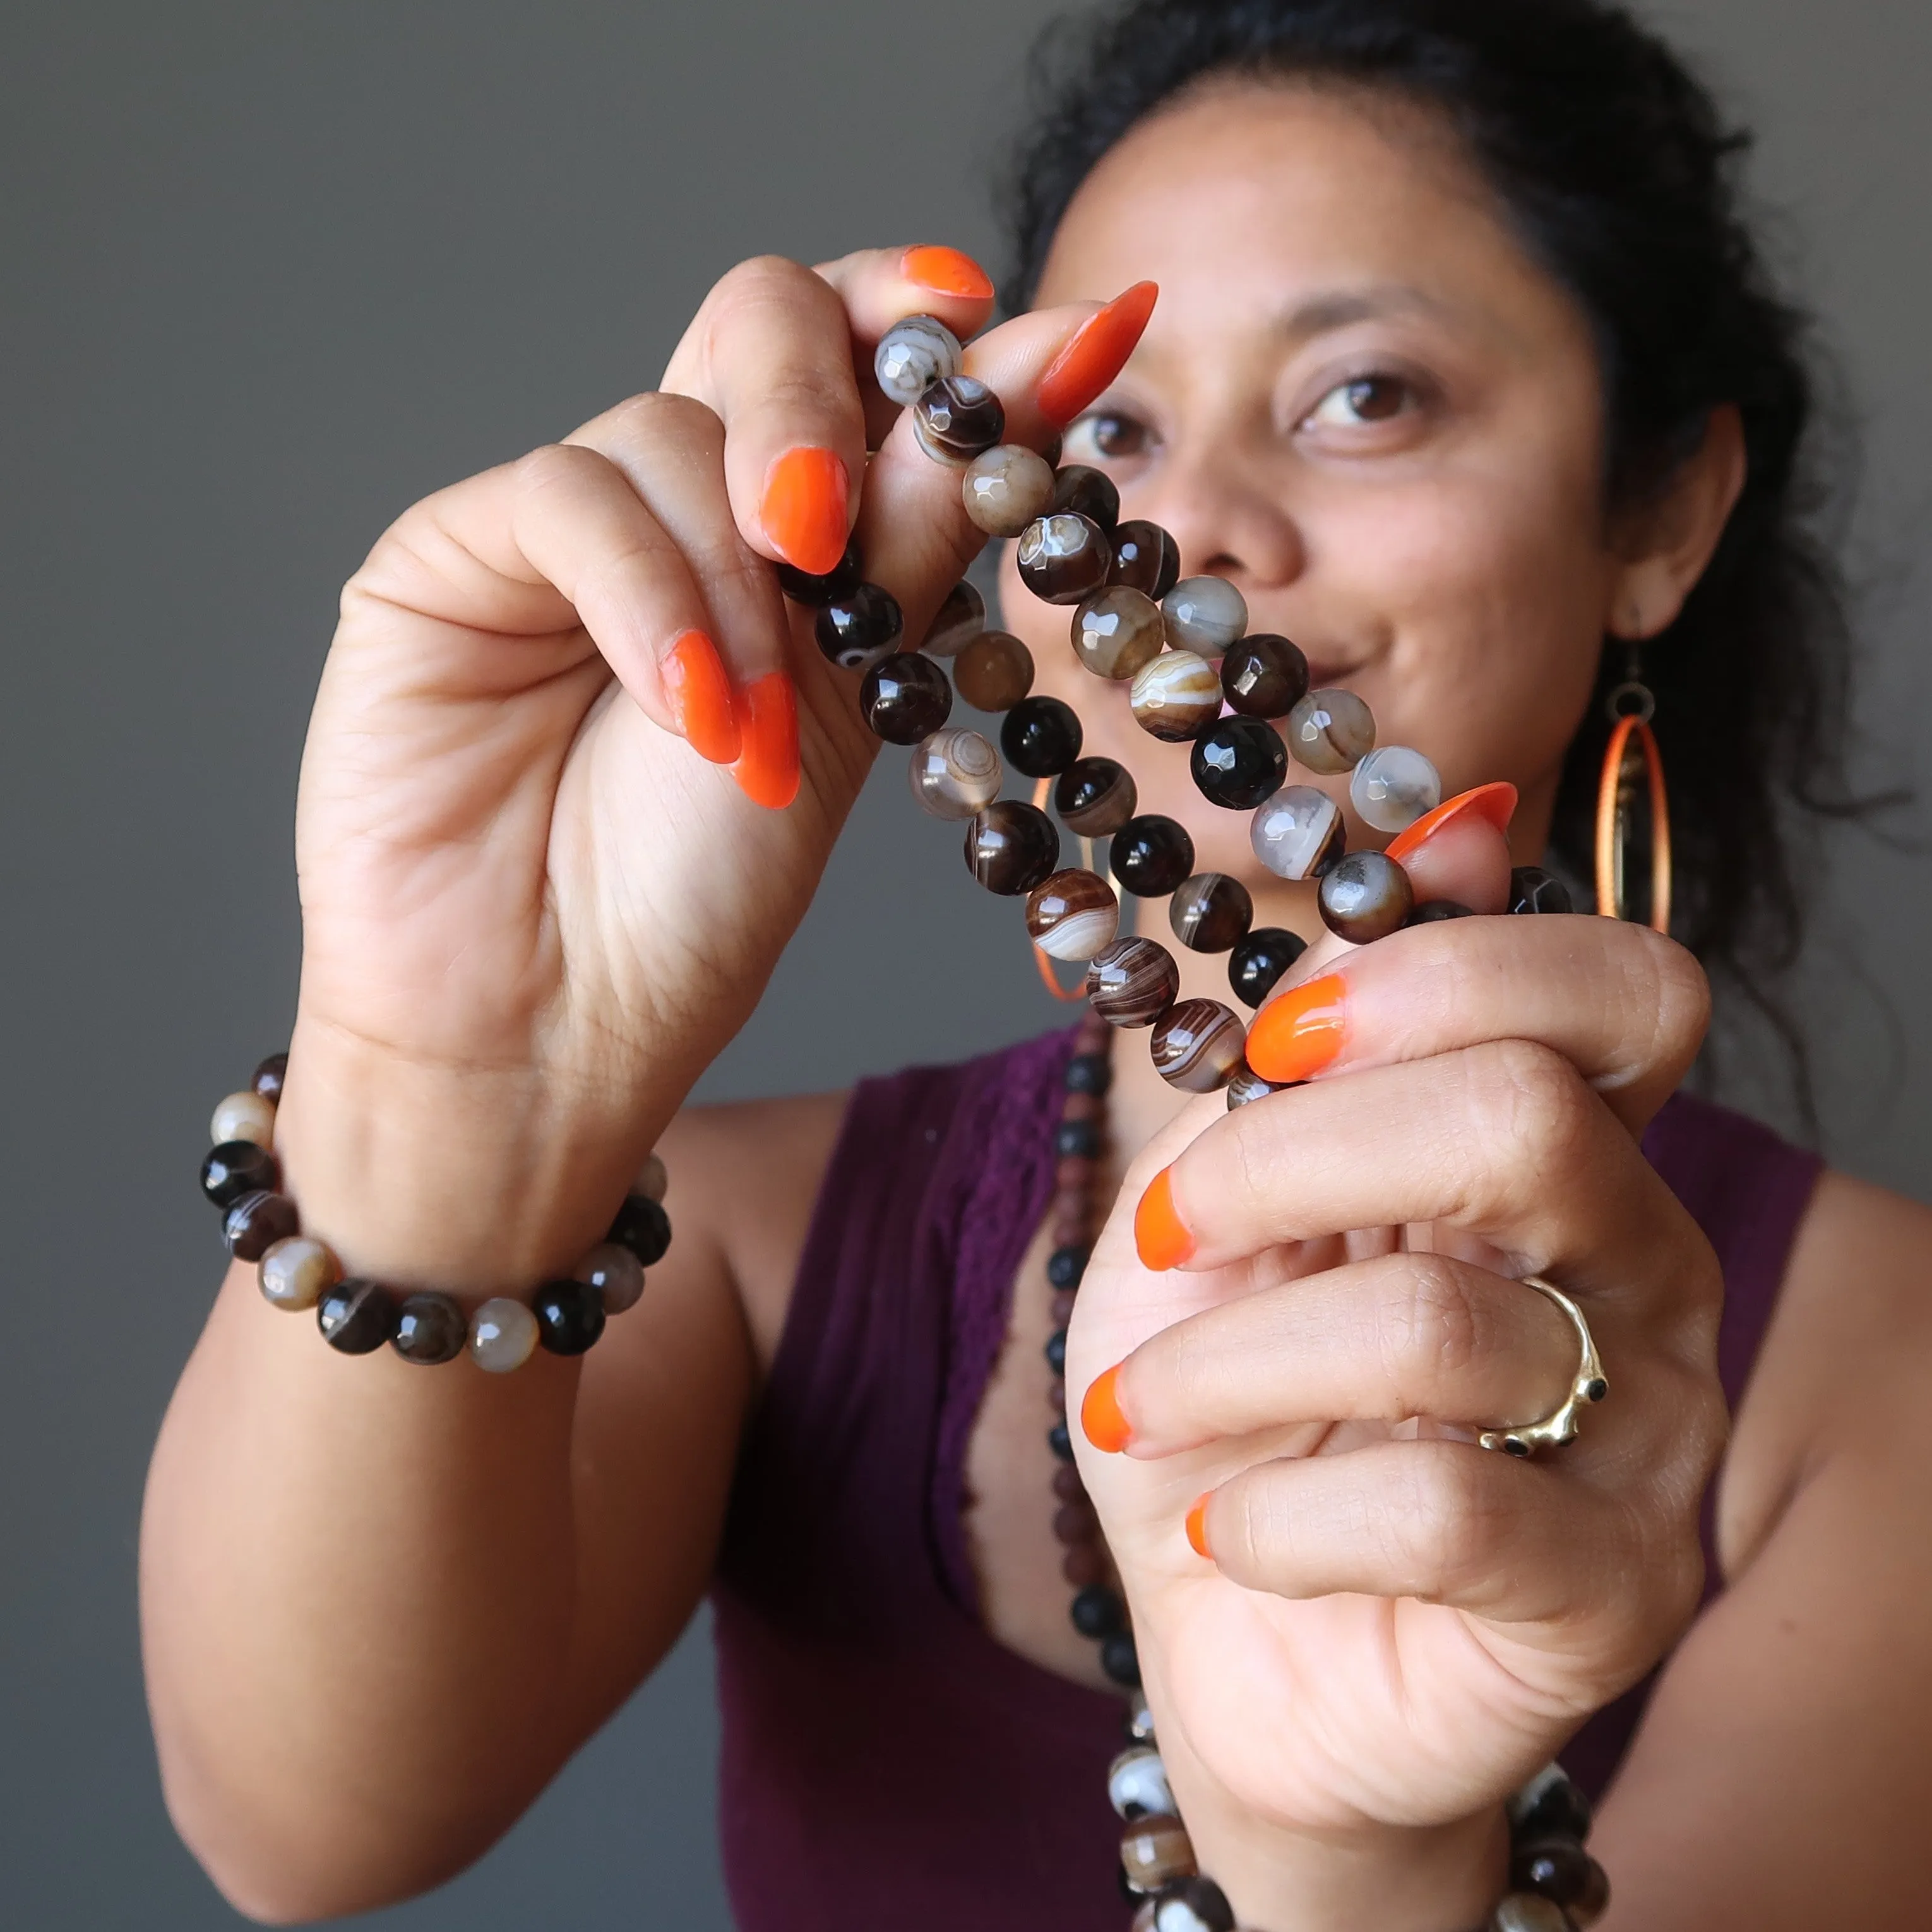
1463,372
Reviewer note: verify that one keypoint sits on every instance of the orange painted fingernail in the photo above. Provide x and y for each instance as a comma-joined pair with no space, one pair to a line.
1159,1235
803,508
767,767
1295,1036
1197,1528
1100,1415
1094,354
946,272
1494,803
699,696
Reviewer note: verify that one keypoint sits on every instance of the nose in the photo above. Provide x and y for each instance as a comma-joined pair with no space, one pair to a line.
1225,519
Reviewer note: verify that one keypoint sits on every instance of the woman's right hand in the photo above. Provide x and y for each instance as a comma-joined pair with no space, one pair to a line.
532,911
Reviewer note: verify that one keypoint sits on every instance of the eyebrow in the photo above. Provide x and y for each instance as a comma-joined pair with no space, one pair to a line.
1338,308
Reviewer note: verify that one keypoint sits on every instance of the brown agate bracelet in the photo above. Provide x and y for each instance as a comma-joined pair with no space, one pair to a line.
261,1224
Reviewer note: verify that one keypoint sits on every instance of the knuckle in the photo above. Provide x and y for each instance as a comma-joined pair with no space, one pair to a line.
556,466
662,416
1444,1521
1532,1108
1431,1326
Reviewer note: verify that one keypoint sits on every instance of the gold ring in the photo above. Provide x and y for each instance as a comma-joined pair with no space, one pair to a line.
1560,1426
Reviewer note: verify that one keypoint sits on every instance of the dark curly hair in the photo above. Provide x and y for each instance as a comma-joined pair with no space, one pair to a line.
1621,175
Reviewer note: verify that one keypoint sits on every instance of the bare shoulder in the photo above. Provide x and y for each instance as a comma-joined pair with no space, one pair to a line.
745,1178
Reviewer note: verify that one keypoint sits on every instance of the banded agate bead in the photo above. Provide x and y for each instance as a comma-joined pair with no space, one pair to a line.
1191,1905
1534,890
993,672
1131,982
1151,855
1146,559
1198,1046
1072,915
569,1316
956,622
1238,763
1005,489
1298,833
1088,492
1205,614
256,1222
1331,731
1210,912
803,586
1247,1087
1175,695
1154,1850
905,697
1041,737
430,1330
267,1078
954,774
1260,960
616,1273
502,1336
243,1116
1117,632
297,1271
914,354
858,629
1365,897
1551,1805
1095,797
1137,1785
1264,676
1562,1871
1063,558
355,1317
236,1168
1011,847
956,419
1392,787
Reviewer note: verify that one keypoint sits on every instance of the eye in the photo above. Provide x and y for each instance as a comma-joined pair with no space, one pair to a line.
1362,400
1110,435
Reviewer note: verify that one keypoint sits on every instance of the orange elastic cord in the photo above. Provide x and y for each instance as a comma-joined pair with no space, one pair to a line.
1607,869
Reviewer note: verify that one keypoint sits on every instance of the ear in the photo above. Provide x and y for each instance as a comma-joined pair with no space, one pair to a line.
1668,546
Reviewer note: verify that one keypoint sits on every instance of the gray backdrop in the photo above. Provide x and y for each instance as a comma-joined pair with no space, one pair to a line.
272,271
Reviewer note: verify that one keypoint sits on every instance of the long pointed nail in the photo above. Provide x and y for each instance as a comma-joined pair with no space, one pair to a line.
1095,353
1197,1528
1160,1236
699,693
1295,1036
946,272
1106,1428
1495,804
767,767
803,508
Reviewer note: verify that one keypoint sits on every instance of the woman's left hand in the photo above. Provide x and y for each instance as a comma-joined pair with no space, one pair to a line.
1395,1627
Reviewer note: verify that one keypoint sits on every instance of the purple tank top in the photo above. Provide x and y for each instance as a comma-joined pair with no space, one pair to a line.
885,1762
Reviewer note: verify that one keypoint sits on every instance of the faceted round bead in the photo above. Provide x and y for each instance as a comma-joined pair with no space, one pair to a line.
1247,1087
1260,960
1331,731
1239,762
1151,855
802,586
1097,1612
1298,834
905,697
1154,1850
957,623
956,419
1534,890
858,629
1193,1905
1071,916
269,1078
1139,1725
256,1222
1174,695
642,1226
1088,492
355,1317
1121,1661
1041,737
297,1271
430,1329
1205,614
1560,1870
1525,1912
1264,676
502,1336
1011,847
243,1116
1366,897
616,1273
1198,1046
1095,797
1146,559
236,1168
1090,1073
1436,911
652,1181
1550,1806
569,1314
1063,558
1131,982
1394,786
1137,1784
1118,632
954,773
993,672
1210,912
912,355
1004,490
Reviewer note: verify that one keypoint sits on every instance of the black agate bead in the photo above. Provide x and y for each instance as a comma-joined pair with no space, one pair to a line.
430,1329
1097,1612
1239,762
1260,960
642,1226
1534,890
1090,1073
1041,737
1063,558
237,1168
802,586
1065,1267
1088,492
1151,855
1095,797
355,1317
268,1077
905,697
1210,912
1264,676
1011,847
856,630
1550,1806
1120,1660
570,1316
1562,1871
1146,559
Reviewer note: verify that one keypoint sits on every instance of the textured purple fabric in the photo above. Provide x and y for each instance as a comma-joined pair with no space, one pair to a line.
885,1762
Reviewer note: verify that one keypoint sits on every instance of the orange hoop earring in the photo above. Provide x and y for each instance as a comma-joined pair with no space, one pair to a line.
1632,707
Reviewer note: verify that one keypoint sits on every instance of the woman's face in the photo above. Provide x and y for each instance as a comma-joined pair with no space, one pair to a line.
1362,401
